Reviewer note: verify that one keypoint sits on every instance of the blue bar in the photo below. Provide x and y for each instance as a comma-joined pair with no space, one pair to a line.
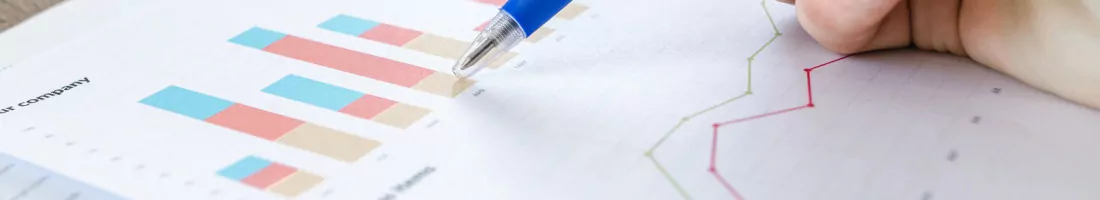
313,92
244,168
257,37
186,102
348,25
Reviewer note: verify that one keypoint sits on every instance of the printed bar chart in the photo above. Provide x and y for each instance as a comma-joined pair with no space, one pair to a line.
403,37
358,63
347,101
262,124
271,176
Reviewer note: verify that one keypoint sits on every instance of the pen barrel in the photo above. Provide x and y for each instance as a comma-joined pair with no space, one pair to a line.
532,14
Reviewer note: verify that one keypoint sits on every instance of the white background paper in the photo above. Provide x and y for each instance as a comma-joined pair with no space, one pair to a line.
572,122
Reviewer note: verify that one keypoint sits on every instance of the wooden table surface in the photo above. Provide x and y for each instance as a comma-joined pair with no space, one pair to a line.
12,12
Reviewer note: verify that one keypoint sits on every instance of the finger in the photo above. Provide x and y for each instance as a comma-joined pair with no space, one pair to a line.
935,25
852,26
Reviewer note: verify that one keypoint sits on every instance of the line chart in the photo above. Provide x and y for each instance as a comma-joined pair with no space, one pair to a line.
714,139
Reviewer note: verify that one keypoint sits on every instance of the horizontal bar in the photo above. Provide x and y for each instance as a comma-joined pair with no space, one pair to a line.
368,106
258,38
313,92
296,184
342,59
372,30
394,35
348,25
275,127
269,175
244,168
348,101
186,102
443,84
390,34
255,122
539,35
274,177
329,142
438,46
401,115
571,11
222,112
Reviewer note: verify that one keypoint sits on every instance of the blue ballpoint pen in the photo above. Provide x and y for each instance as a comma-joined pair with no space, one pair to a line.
515,22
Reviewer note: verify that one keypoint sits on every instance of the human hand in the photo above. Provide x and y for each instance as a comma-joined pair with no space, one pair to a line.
1053,45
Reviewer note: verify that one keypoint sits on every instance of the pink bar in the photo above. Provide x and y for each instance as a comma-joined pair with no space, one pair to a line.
390,34
367,106
346,60
493,2
269,175
254,121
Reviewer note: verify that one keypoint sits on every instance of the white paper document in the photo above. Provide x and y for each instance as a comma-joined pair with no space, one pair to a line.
612,99
20,180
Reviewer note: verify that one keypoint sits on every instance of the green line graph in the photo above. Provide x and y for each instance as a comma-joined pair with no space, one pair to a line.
748,91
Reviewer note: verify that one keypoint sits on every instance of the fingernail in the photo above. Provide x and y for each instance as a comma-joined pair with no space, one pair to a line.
787,1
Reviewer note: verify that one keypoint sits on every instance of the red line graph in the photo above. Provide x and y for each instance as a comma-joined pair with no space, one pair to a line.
714,140
726,184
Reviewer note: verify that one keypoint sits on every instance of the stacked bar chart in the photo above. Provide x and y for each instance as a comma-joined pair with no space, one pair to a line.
347,101
415,40
271,176
354,62
262,124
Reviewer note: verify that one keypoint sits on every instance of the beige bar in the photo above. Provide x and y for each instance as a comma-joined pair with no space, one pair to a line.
329,142
572,11
539,34
449,48
296,184
443,84
504,58
438,46
401,115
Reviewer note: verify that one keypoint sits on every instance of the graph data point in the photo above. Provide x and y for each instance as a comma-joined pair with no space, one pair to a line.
750,59
748,92
712,170
807,69
810,105
649,154
716,125
778,34
685,119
